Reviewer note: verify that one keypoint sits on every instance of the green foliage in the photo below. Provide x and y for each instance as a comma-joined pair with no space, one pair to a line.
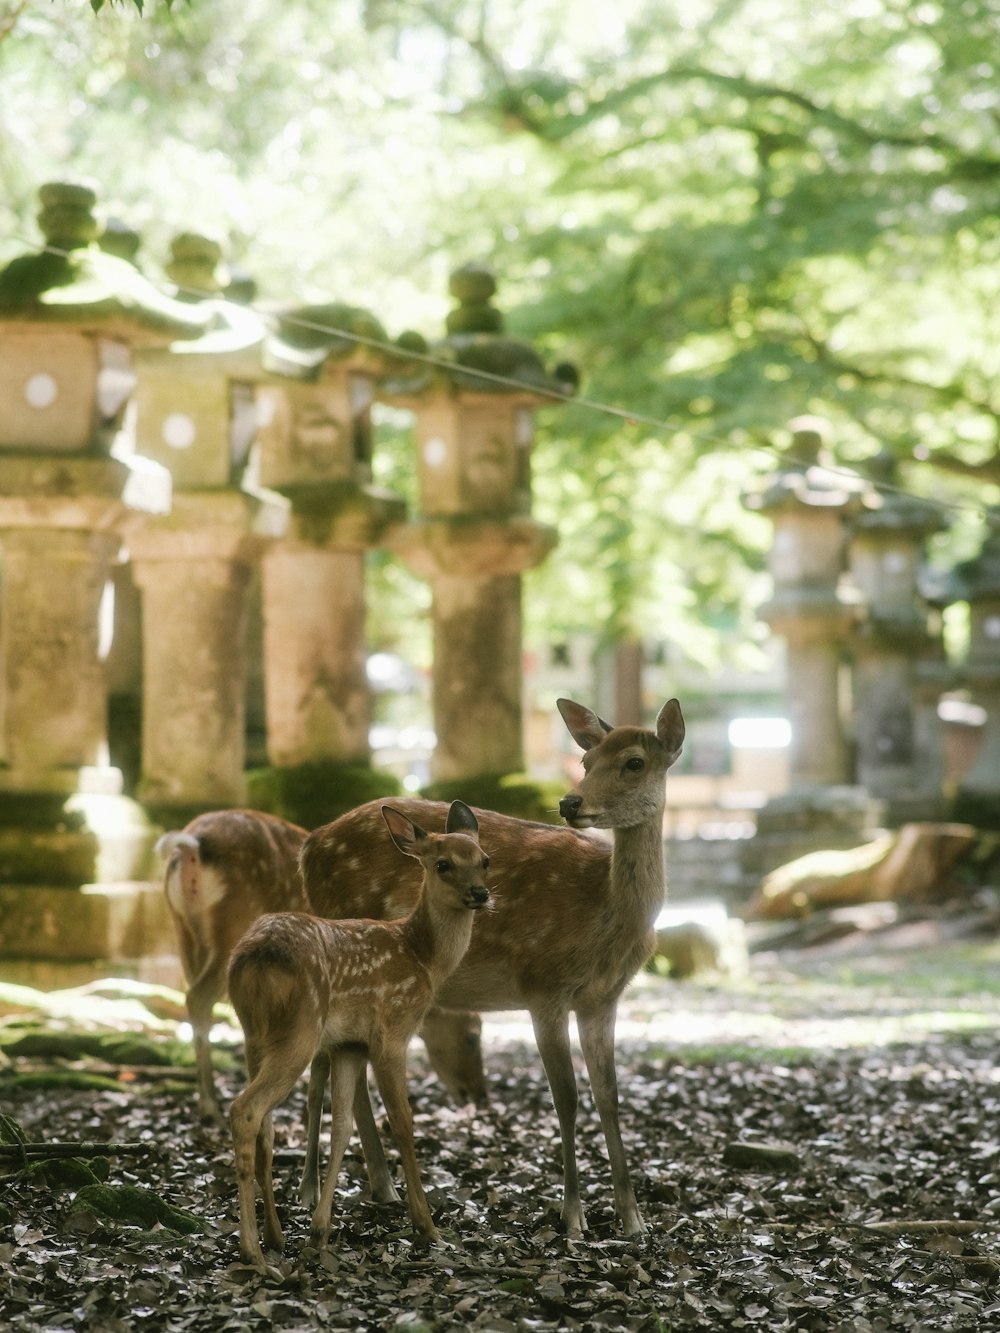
140,5
725,216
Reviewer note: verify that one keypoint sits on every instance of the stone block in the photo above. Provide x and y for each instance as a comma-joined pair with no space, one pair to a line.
111,922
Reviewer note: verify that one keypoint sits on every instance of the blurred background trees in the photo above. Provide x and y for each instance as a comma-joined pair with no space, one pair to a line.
725,214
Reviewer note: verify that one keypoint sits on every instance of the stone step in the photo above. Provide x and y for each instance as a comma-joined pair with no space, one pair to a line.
115,923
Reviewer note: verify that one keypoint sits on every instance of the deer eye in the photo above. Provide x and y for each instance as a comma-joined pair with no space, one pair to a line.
442,867
635,764
486,863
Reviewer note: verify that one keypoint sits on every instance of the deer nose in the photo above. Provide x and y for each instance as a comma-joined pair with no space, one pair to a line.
570,806
479,894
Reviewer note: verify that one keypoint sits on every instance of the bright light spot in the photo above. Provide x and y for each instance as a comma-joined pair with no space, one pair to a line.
961,711
179,431
435,452
41,391
760,733
106,621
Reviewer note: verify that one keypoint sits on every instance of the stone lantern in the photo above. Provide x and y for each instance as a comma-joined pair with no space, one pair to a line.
197,415
899,664
978,800
812,610
474,536
70,487
315,449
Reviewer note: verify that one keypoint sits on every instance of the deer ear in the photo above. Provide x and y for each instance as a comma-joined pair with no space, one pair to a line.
461,819
404,833
670,728
586,728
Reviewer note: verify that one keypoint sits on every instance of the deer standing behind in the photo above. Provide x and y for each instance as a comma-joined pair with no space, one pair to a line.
223,870
357,991
571,923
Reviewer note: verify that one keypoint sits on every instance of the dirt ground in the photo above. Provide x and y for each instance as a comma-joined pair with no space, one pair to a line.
876,1070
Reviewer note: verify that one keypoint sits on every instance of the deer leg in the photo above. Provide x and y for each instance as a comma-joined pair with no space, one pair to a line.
264,1156
346,1066
552,1036
271,1080
597,1039
454,1048
318,1073
383,1190
390,1075
201,998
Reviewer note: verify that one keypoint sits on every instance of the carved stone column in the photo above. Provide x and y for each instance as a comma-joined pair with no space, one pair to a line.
475,537
813,611
195,567
899,668
70,488
978,801
316,446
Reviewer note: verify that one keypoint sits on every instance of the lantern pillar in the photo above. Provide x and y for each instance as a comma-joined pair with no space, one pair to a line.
316,443
978,799
813,611
195,567
899,667
71,489
475,537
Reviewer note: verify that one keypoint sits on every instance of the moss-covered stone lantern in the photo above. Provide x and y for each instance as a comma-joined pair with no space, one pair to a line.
196,566
315,443
71,486
978,799
475,398
899,663
813,610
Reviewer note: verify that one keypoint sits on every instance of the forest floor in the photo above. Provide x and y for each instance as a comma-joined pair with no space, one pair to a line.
875,1063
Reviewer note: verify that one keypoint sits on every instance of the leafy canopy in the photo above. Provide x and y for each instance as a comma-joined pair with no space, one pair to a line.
726,214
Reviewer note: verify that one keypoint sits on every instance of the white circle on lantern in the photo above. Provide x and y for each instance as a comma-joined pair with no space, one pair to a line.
179,431
991,627
41,390
435,452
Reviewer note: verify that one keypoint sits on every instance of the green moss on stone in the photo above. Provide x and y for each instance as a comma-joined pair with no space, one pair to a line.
509,793
75,1079
315,794
69,1173
131,1205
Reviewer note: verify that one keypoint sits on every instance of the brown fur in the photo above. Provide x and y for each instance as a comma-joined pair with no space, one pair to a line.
223,870
341,993
571,920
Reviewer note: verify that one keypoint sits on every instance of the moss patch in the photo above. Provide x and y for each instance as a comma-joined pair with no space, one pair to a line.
68,1173
117,1048
315,794
129,1205
509,793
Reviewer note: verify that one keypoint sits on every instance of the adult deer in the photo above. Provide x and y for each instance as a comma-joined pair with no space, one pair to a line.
223,870
571,921
357,991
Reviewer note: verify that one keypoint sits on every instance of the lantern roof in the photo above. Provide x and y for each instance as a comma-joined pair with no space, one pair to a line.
73,280
304,338
809,480
476,353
